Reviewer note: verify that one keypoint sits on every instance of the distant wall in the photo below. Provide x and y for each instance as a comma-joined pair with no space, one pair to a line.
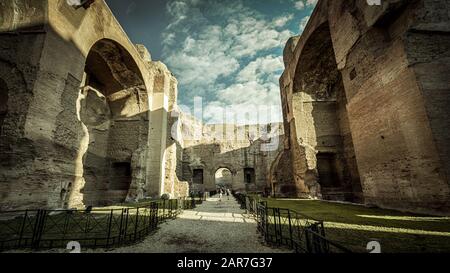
233,147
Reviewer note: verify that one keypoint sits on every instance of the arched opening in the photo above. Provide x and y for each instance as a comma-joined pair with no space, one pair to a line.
223,178
114,113
321,119
3,103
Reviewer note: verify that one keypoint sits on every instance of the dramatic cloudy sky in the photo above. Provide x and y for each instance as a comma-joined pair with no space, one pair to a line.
228,52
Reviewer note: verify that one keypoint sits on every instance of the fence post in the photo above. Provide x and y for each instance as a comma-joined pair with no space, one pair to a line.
326,245
299,232
136,222
36,228
316,240
109,227
173,208
86,226
126,224
247,204
290,228
153,215
164,210
40,228
22,228
66,224
120,227
156,222
308,243
258,219
267,222
280,225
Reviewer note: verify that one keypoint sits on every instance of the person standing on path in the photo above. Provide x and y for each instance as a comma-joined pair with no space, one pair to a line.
220,195
228,194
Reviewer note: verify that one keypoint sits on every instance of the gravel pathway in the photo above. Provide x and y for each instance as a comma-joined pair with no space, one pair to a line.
213,227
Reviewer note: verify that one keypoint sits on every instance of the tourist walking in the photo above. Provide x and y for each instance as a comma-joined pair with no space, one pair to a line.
228,193
220,195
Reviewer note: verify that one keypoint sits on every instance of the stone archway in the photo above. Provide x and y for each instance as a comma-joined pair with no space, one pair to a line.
223,178
113,111
321,120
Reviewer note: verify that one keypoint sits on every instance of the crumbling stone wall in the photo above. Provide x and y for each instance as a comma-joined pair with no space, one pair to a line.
19,66
79,107
393,63
213,147
319,110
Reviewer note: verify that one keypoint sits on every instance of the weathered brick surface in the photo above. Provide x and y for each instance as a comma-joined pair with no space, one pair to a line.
392,113
77,125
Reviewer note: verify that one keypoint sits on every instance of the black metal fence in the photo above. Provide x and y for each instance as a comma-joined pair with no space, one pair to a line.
285,227
47,229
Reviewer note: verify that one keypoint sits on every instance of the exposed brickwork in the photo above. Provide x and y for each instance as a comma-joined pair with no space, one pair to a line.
390,107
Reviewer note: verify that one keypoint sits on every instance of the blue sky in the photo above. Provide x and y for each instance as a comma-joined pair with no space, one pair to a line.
229,52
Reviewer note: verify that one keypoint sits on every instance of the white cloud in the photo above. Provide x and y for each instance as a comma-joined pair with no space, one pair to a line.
282,21
268,68
302,4
224,53
251,35
202,61
249,103
251,92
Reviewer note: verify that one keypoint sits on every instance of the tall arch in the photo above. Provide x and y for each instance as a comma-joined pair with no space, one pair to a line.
321,121
223,178
113,108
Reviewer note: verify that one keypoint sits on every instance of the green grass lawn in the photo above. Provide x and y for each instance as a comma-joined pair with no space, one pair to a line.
354,226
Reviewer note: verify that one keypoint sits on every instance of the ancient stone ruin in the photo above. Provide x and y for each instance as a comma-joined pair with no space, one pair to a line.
84,112
366,100
88,119
245,153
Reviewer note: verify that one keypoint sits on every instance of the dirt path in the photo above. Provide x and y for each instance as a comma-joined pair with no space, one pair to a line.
213,227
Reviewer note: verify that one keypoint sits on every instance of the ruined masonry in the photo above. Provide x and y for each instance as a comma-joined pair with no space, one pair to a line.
84,111
366,97
88,119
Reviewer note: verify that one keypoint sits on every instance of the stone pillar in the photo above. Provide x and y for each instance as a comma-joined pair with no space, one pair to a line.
158,130
170,163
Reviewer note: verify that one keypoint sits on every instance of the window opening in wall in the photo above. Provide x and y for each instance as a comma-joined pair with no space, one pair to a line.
198,176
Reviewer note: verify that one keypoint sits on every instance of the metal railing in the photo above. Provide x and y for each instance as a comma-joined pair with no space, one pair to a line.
105,228
286,227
